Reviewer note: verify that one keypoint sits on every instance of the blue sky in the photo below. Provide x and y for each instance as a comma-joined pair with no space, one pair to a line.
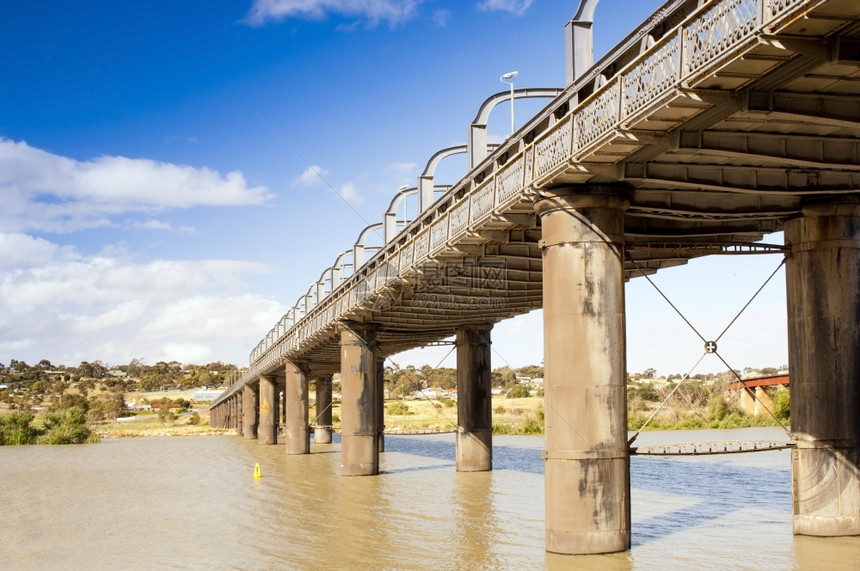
174,175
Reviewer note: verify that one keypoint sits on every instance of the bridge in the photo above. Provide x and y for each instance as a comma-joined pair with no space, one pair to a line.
752,398
712,125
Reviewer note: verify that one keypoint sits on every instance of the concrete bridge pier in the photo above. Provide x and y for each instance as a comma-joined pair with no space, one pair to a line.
823,297
232,414
380,401
267,427
216,417
359,402
587,470
754,401
474,400
297,432
249,412
322,432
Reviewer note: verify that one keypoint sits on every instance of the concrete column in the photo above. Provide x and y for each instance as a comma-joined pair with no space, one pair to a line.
249,412
360,433
240,430
474,400
763,402
380,401
322,432
277,406
296,425
746,400
587,470
266,428
282,406
823,298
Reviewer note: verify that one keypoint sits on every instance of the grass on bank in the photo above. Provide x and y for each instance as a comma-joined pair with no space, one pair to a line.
509,416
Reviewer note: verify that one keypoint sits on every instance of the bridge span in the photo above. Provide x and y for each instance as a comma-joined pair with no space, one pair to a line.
712,125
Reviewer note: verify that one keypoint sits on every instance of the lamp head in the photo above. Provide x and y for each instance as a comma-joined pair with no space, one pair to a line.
510,75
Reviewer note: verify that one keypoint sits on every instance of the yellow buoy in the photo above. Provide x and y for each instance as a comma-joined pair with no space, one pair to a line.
257,471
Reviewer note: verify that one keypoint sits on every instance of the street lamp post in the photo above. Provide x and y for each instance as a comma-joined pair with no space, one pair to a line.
510,75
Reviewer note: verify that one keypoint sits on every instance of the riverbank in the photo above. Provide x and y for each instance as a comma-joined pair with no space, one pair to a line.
421,416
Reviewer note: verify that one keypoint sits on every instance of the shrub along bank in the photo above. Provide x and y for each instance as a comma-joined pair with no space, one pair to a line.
62,426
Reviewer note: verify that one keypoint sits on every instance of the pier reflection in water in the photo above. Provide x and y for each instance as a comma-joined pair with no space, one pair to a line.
192,503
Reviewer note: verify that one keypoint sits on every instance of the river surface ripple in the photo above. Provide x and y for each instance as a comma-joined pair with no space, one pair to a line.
192,503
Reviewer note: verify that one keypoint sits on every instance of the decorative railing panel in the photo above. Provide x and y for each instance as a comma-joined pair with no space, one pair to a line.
776,8
718,30
653,77
510,179
422,246
553,147
406,256
439,232
482,201
599,116
528,160
393,267
459,217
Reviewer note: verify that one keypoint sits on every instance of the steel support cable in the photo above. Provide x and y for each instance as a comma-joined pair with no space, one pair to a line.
554,411
316,172
653,414
416,384
744,383
672,305
710,346
758,291
319,414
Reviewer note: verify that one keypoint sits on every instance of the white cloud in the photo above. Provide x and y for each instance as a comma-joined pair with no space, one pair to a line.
47,192
401,169
515,7
59,305
441,18
373,12
153,225
180,139
22,251
349,193
312,176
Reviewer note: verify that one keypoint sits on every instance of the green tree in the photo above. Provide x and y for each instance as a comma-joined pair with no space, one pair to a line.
70,401
66,426
165,414
533,371
518,391
504,377
16,428
782,404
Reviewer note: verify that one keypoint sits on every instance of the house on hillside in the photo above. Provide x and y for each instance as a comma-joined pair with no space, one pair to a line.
204,395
